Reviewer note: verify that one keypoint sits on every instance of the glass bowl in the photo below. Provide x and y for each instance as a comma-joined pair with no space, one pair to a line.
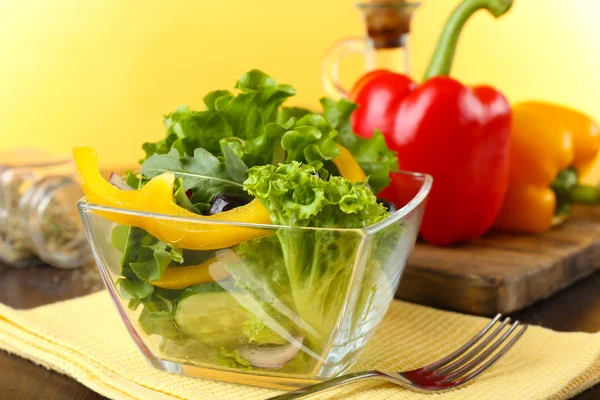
284,309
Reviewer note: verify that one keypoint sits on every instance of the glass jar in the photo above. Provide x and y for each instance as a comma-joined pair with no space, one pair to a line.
38,213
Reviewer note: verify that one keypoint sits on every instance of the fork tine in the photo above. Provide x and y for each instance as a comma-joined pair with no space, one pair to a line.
476,362
488,364
448,368
463,348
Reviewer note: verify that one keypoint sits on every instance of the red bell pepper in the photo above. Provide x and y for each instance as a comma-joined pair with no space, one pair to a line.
458,135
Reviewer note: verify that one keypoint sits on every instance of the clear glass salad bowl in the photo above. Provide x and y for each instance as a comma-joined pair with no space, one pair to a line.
284,309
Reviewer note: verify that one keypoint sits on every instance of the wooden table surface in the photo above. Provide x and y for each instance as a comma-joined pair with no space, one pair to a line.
574,309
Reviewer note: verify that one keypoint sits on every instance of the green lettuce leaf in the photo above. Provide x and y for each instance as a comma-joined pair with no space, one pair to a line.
232,359
154,259
285,113
373,155
243,116
262,273
258,333
264,148
318,263
254,127
295,196
143,258
156,318
263,255
132,288
158,323
311,139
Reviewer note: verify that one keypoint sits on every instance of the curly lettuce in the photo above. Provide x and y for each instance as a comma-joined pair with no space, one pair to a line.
317,263
295,195
253,126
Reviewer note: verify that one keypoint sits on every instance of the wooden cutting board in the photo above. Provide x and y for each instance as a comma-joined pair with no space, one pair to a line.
503,273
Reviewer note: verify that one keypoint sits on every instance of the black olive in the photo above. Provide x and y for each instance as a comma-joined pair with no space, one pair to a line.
225,202
391,207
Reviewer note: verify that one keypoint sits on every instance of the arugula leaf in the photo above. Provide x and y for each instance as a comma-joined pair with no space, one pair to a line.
205,174
373,155
234,166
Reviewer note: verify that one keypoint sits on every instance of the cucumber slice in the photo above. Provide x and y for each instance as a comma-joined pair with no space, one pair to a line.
214,319
207,287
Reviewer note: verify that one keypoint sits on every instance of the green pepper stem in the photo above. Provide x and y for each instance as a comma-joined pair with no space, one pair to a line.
584,194
443,55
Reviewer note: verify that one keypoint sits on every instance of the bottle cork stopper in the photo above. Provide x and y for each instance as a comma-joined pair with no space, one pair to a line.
388,21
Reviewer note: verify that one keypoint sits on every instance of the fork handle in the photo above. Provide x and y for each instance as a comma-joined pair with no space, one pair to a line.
328,384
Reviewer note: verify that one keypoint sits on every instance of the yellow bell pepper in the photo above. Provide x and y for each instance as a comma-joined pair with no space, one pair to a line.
348,166
553,151
209,271
157,197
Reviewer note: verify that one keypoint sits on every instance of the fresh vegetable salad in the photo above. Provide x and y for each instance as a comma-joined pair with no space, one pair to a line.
252,237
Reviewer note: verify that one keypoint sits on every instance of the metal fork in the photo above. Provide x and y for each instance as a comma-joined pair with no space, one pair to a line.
448,373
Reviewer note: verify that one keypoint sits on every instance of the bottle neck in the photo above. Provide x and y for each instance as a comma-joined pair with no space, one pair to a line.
396,58
388,30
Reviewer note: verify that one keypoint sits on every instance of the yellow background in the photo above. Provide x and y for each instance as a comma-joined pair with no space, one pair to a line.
103,72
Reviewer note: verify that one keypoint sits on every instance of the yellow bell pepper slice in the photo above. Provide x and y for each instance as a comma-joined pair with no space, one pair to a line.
348,166
212,270
157,197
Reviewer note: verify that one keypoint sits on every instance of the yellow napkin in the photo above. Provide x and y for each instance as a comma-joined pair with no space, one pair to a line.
85,339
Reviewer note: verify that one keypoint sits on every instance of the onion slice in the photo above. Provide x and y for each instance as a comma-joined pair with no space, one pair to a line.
271,357
117,182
